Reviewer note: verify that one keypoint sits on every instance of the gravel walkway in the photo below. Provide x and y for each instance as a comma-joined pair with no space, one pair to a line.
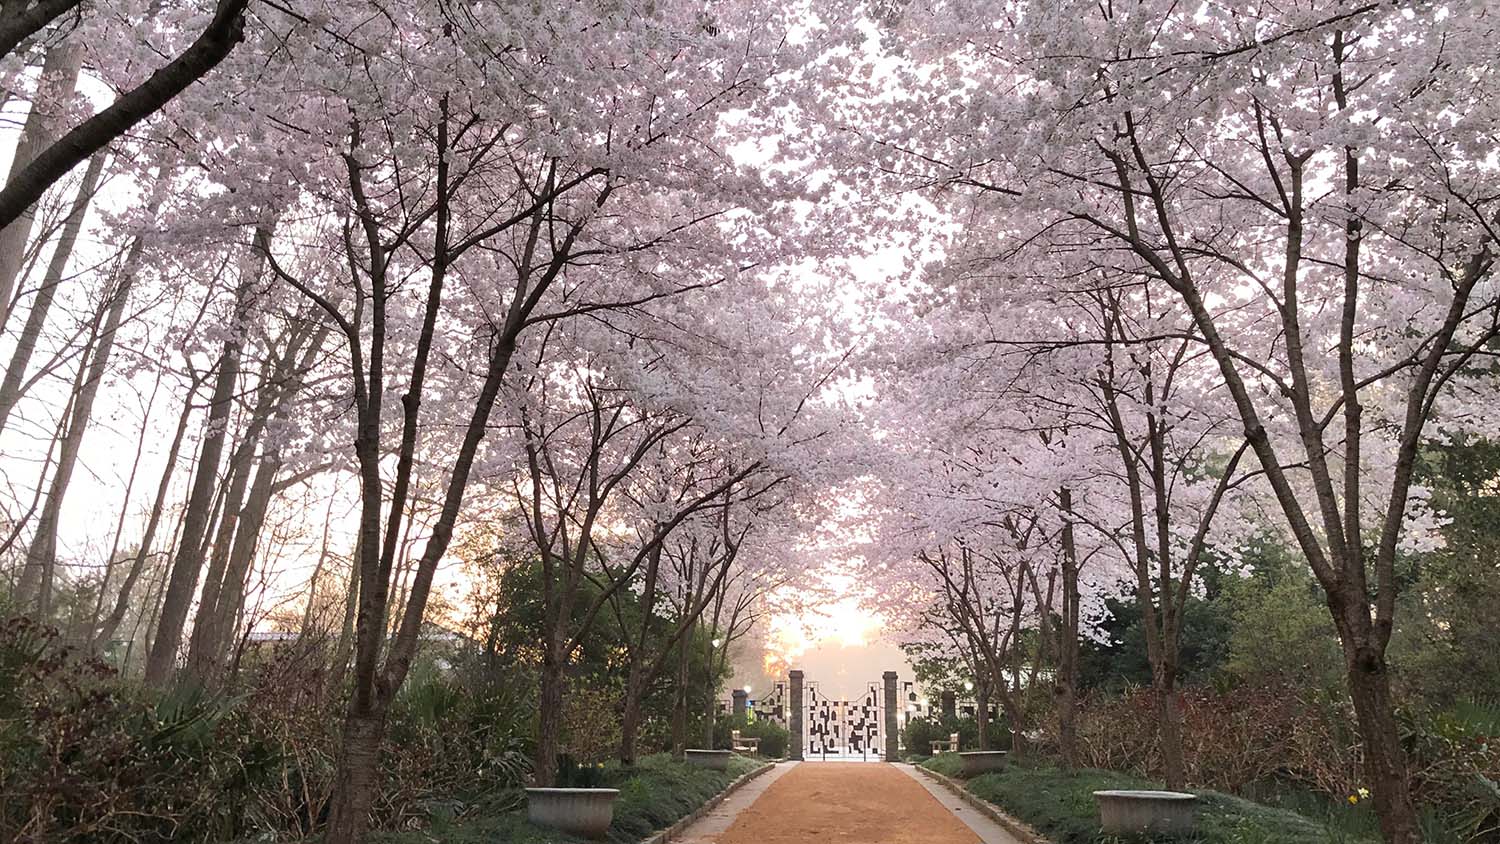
860,803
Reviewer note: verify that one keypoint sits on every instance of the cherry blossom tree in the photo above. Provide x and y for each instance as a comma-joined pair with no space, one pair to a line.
487,173
61,28
1307,181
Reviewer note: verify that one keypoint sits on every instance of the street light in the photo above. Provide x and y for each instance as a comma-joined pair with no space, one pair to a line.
968,686
718,643
747,690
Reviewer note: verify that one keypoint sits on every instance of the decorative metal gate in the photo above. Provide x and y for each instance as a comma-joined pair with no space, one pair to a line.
772,707
844,730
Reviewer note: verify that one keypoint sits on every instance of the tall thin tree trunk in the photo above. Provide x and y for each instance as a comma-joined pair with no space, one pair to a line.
218,620
345,645
317,574
188,562
635,678
36,318
680,700
122,603
982,714
113,558
200,657
43,550
59,78
1065,687
35,589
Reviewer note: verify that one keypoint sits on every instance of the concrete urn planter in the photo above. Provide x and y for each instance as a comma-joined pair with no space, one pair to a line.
1122,812
978,762
717,760
577,811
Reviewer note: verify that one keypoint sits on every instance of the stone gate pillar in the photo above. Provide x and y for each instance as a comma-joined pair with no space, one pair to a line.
797,714
740,698
892,732
950,705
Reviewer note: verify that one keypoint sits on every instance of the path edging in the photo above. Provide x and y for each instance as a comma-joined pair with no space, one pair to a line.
682,823
986,808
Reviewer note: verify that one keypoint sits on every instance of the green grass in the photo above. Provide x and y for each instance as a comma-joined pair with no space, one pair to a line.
656,793
1060,805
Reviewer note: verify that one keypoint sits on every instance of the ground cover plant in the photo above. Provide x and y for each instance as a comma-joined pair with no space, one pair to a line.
657,792
1060,805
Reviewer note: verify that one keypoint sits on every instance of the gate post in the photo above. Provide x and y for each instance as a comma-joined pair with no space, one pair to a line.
740,697
892,734
798,740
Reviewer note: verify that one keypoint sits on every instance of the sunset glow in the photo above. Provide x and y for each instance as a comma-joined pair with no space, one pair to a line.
790,635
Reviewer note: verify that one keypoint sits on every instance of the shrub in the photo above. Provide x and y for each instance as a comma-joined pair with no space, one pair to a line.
591,723
87,757
1234,739
920,733
1455,762
774,738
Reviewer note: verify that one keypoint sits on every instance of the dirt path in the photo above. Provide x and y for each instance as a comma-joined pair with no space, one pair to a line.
852,802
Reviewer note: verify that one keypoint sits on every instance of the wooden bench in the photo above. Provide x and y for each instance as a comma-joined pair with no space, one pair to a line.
743,745
947,746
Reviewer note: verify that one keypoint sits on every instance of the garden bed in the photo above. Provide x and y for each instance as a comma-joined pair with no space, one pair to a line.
656,793
1060,805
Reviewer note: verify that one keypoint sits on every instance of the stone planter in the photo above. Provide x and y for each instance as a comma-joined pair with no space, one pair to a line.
577,811
1123,812
978,762
717,760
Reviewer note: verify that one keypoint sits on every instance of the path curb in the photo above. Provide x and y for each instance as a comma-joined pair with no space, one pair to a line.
682,823
986,808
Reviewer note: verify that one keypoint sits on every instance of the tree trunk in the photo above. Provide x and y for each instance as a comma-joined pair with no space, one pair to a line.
345,644
58,80
680,700
114,558
982,715
549,724
43,550
1385,761
182,582
1017,727
710,713
34,591
359,767
1385,765
1169,725
317,574
211,632
1065,687
122,603
630,722
636,678
200,659
36,318
239,530
241,557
